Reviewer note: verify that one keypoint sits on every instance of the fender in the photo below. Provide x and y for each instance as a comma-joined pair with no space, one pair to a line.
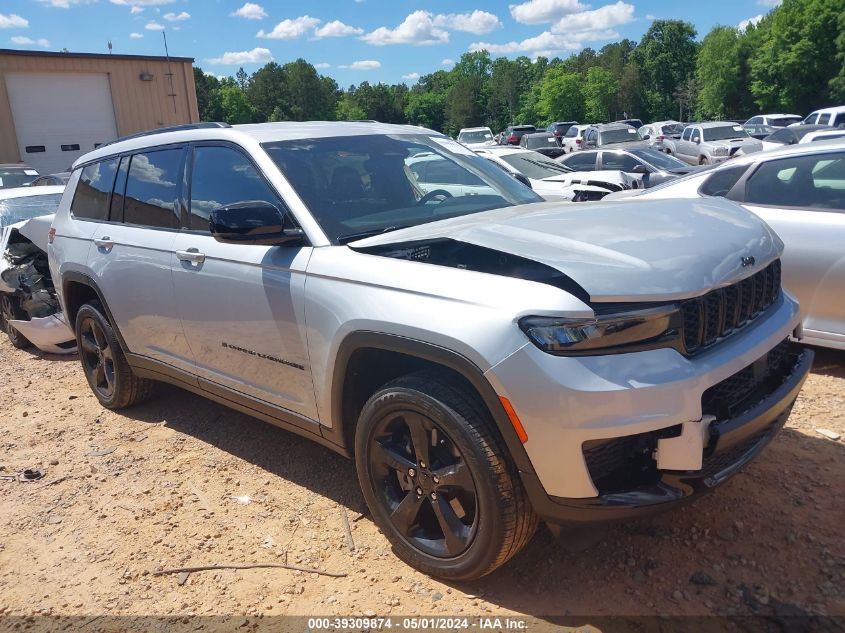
73,276
434,354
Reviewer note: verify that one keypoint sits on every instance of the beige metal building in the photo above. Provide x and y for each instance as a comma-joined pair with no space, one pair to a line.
55,107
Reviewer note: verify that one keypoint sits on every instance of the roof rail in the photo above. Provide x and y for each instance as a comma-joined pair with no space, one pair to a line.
173,128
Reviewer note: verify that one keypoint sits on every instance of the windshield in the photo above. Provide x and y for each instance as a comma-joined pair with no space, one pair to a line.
724,132
659,159
16,176
475,137
620,135
534,165
14,210
356,186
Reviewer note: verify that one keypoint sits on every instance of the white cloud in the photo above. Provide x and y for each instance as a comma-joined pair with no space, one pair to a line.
255,56
136,10
605,17
366,64
650,17
322,65
251,11
769,3
154,26
447,62
177,17
417,29
13,21
64,4
136,36
477,22
411,76
290,29
138,3
546,43
746,23
336,28
28,41
540,11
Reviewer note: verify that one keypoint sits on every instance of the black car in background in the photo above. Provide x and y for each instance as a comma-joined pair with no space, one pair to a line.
542,142
513,133
560,128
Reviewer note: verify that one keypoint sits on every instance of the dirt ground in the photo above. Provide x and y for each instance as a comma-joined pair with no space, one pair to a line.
156,486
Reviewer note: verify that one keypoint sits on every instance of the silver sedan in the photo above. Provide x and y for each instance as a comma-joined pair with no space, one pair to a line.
800,192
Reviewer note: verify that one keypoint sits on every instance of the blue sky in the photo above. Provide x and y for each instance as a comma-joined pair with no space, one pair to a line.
350,40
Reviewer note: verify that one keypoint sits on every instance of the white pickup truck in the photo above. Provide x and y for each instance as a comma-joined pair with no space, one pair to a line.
711,143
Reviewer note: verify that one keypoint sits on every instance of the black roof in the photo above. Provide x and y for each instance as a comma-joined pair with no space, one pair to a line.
157,58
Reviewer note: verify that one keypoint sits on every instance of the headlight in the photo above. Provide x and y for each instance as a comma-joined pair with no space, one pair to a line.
607,333
720,151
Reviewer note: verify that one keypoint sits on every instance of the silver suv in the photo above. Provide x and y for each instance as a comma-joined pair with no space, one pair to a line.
488,359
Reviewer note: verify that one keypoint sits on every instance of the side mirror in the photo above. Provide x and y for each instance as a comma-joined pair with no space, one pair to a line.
696,140
640,169
646,137
523,179
252,222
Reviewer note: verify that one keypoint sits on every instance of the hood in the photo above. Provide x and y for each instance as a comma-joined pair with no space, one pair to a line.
734,142
649,250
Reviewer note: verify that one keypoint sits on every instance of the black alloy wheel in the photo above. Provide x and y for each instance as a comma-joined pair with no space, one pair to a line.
423,481
9,312
97,357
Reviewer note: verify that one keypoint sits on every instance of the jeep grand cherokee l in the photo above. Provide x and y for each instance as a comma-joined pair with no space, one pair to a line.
488,359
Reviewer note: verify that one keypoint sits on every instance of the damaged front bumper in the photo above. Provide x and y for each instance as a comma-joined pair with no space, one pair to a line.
728,446
50,334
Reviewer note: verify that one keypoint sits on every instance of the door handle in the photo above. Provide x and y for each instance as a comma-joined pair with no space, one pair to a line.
191,255
104,242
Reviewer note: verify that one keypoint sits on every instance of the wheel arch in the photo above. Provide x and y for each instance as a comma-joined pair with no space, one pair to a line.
78,289
367,360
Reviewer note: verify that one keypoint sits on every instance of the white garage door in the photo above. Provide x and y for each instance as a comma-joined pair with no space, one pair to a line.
60,116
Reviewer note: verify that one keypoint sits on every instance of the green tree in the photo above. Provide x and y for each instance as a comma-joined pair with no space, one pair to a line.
796,67
269,93
236,107
426,109
666,55
347,108
561,98
718,72
208,96
837,84
599,94
310,96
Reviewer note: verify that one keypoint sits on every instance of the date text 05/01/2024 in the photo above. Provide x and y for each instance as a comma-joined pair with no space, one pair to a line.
416,623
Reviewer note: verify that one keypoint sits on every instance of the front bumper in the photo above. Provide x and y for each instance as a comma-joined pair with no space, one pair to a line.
734,443
568,405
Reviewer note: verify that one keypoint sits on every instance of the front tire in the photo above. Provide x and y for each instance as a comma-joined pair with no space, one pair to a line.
438,480
703,161
104,363
10,311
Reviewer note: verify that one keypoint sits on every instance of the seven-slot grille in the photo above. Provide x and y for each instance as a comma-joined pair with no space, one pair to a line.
718,313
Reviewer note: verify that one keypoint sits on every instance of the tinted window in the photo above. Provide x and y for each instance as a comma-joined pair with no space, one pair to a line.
91,198
621,135
687,131
618,160
722,181
438,170
783,121
785,136
724,132
754,120
838,120
222,176
571,132
118,196
824,119
800,181
379,191
581,161
152,189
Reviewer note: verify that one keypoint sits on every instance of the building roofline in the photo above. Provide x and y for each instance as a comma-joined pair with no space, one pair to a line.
157,58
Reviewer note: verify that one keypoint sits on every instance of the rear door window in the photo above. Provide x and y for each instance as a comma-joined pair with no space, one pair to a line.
824,119
221,176
618,160
687,131
152,189
581,161
93,191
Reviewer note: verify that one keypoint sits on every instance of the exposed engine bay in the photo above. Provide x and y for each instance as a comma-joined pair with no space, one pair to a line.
30,312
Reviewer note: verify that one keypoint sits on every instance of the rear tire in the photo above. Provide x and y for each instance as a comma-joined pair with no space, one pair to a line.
11,311
104,363
703,160
438,480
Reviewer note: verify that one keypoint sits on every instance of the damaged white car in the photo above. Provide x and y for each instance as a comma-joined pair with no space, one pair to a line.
555,181
29,311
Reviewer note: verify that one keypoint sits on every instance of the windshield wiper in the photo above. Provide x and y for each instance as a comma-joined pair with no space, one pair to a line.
351,237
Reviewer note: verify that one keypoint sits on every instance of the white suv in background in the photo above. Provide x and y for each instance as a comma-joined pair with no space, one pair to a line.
835,117
573,140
